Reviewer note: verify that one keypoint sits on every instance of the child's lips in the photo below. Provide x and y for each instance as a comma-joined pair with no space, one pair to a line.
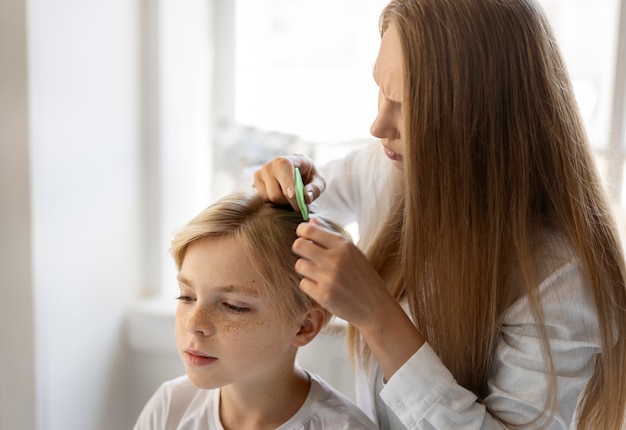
198,358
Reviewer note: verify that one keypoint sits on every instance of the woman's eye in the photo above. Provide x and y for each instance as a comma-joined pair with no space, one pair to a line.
236,309
186,299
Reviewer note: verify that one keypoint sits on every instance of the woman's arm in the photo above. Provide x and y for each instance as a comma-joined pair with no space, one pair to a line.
420,389
423,393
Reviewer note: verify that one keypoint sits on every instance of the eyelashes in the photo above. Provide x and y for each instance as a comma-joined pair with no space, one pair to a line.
236,309
228,306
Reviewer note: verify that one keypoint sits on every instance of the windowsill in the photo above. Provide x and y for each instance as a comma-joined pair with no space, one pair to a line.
150,326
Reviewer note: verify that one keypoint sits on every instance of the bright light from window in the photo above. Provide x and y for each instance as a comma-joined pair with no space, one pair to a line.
586,32
304,68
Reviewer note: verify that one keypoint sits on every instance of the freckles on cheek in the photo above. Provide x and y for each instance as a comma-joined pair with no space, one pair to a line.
260,339
245,334
236,327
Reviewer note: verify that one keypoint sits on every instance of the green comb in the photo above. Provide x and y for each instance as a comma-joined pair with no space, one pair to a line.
299,186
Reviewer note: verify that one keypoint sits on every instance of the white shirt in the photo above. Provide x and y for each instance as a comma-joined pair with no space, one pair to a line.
179,405
357,190
422,394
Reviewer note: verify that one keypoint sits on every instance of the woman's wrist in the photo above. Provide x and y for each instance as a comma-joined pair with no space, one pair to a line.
392,337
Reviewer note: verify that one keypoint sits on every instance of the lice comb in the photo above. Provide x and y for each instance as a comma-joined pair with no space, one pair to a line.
299,187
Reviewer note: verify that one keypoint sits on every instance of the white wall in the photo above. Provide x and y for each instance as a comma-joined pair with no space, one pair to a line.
85,144
86,169
70,188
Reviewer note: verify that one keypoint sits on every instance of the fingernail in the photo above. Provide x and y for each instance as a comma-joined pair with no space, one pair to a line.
310,194
289,192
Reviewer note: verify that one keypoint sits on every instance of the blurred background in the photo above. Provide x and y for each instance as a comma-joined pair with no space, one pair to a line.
121,119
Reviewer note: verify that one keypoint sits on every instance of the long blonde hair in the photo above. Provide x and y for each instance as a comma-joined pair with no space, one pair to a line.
496,152
265,231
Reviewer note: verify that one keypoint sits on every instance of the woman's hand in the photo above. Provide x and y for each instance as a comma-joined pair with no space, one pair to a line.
337,275
340,278
275,181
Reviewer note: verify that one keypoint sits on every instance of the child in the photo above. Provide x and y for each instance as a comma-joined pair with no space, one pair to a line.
240,320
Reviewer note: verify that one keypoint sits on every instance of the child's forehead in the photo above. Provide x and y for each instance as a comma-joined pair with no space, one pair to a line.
249,289
220,265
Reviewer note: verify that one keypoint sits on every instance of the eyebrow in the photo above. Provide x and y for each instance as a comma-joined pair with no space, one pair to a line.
230,288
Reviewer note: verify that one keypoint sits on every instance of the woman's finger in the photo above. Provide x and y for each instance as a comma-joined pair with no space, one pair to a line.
275,180
318,234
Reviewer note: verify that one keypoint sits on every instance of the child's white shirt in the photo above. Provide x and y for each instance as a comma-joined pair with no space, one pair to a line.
179,405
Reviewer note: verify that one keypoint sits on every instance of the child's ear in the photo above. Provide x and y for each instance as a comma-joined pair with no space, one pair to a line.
311,325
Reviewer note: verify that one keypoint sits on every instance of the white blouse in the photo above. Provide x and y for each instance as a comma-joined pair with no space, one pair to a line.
422,394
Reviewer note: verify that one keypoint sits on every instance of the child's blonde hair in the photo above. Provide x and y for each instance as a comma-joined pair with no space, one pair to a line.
265,232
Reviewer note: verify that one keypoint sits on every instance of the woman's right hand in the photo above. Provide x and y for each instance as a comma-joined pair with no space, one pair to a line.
275,181
338,276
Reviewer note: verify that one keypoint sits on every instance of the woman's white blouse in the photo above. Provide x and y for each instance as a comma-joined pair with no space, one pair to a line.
422,394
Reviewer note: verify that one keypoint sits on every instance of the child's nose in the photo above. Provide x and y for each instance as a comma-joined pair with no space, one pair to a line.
200,321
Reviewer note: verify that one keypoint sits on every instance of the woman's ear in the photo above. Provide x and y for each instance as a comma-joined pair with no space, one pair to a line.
311,325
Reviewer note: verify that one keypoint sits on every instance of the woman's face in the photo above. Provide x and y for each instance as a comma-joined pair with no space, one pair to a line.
227,331
389,76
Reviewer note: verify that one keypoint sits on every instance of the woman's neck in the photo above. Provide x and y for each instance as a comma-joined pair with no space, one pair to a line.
264,405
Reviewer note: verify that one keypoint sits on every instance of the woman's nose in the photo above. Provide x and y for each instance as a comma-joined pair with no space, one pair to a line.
384,125
380,129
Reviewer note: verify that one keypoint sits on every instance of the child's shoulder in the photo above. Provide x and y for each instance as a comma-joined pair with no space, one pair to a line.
328,408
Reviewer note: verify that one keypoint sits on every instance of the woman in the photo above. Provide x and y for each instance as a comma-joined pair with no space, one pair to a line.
493,296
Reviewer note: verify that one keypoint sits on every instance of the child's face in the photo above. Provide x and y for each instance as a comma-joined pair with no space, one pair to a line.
226,331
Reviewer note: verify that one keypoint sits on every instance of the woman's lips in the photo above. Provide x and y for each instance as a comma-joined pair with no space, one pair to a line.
392,155
196,358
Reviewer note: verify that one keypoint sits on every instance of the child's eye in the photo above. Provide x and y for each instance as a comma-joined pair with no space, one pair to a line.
236,309
186,299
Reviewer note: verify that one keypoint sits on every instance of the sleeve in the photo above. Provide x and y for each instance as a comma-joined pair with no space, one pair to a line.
341,198
424,395
333,410
358,190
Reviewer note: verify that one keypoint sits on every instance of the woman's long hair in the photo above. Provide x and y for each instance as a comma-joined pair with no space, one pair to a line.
496,152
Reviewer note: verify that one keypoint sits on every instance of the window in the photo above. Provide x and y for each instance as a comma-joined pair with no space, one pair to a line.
295,76
303,72
303,81
588,34
305,67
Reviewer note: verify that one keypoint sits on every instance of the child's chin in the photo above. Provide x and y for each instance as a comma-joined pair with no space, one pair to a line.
204,383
